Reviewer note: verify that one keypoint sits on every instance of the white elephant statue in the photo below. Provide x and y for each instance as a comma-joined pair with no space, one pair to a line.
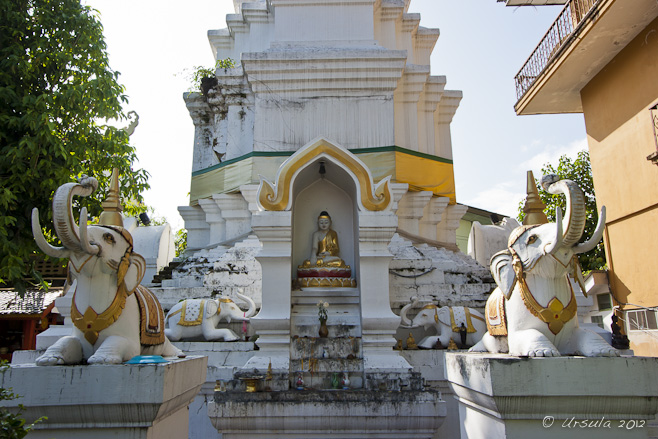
114,317
449,323
193,318
533,311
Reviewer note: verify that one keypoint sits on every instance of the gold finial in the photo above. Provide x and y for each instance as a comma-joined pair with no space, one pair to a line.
534,207
111,215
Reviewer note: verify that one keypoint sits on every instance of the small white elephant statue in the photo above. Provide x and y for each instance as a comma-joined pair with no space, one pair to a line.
193,318
449,322
533,312
114,317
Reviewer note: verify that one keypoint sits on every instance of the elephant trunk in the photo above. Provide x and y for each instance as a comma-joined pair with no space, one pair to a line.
574,220
45,246
252,306
65,226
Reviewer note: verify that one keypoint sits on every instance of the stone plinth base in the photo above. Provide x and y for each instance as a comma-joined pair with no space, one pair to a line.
566,397
107,401
327,414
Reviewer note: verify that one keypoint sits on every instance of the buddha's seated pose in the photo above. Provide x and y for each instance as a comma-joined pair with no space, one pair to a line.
325,245
325,267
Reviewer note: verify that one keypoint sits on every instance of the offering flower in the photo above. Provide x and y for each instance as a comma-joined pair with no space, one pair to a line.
322,310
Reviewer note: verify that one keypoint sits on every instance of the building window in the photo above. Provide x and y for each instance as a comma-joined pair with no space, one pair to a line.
604,301
598,320
642,319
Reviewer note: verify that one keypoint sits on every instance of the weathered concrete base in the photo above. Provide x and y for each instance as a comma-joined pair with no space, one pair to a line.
107,401
567,397
327,414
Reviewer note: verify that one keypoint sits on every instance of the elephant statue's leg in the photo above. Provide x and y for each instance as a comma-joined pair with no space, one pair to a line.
174,332
66,350
428,342
588,344
115,349
530,343
489,343
166,350
211,334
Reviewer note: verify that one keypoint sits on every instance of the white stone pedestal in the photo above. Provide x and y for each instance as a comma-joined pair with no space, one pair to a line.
107,401
566,397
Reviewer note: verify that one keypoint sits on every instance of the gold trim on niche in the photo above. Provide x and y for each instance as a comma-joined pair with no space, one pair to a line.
276,197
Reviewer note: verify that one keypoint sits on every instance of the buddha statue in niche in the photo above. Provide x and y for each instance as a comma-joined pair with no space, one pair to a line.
325,268
325,245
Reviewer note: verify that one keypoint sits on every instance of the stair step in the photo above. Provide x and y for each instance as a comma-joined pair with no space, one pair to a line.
332,348
321,365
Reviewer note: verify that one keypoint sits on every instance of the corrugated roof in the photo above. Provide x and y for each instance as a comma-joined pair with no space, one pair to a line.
33,302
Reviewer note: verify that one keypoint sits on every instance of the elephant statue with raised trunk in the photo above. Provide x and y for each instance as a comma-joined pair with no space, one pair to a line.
114,317
465,326
533,311
194,318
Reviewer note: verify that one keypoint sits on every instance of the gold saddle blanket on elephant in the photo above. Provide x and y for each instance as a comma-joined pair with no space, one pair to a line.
191,312
495,314
151,315
460,315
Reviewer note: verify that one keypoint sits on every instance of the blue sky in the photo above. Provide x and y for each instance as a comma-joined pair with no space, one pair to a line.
482,46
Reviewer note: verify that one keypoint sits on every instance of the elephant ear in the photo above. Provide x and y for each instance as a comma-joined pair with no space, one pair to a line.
503,272
135,272
212,307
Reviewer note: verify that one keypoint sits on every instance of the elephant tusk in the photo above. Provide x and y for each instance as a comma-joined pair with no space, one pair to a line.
591,243
87,247
405,309
45,246
252,306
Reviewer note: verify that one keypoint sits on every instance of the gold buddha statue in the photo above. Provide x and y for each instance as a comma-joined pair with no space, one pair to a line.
325,268
325,245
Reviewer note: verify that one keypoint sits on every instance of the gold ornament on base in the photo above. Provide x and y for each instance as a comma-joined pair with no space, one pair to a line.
411,343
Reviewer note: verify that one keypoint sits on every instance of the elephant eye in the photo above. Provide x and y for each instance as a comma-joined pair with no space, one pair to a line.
532,238
109,238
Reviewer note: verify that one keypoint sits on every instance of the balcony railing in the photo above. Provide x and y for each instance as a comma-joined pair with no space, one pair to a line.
571,16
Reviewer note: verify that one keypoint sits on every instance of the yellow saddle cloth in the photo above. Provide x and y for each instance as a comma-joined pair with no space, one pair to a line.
151,317
495,314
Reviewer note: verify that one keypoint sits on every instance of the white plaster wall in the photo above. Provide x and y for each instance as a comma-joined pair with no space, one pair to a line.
358,122
351,23
319,196
240,131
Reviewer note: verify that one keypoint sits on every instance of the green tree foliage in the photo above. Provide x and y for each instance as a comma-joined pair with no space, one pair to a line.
56,89
180,240
197,73
579,171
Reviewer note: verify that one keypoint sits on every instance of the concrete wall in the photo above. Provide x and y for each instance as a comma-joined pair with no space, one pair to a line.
616,105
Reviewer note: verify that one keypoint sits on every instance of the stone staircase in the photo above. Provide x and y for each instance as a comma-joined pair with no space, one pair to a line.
166,272
322,360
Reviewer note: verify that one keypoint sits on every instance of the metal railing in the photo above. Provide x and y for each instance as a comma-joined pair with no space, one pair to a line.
571,16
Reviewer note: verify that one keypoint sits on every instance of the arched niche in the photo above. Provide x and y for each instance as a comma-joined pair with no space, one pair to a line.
334,192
